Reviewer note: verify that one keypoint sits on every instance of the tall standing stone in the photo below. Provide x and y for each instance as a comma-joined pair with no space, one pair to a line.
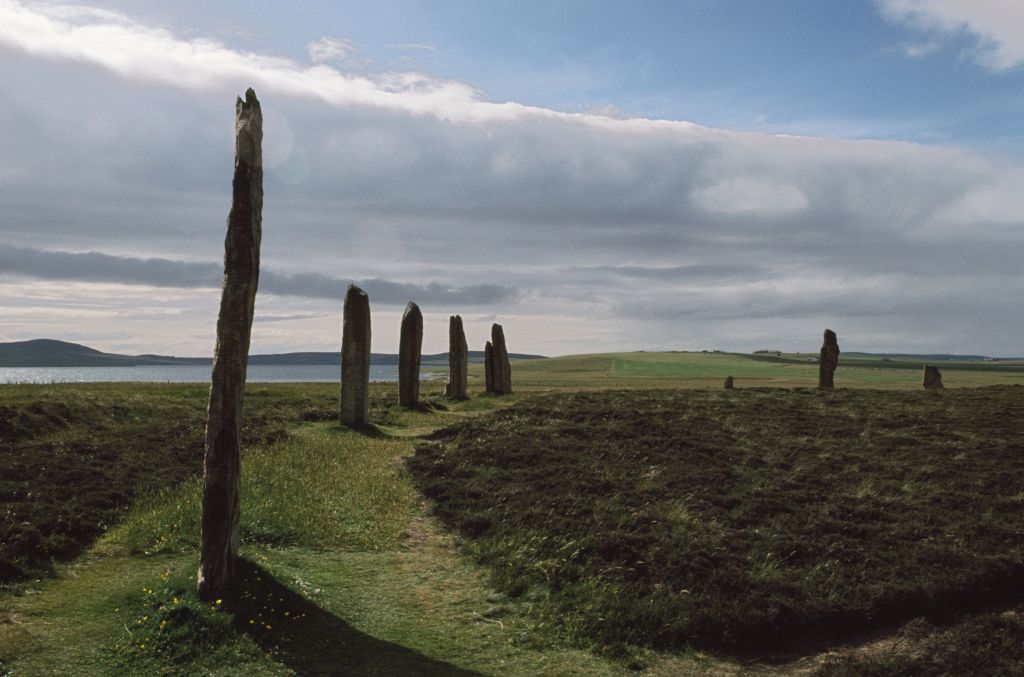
409,346
728,383
458,359
355,358
932,378
221,463
828,361
501,369
489,367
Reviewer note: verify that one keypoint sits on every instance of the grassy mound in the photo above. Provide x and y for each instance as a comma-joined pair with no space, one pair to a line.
75,455
747,520
304,491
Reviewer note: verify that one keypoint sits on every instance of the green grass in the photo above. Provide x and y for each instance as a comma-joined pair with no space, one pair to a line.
97,618
753,521
708,370
110,442
341,574
417,610
354,499
118,443
336,535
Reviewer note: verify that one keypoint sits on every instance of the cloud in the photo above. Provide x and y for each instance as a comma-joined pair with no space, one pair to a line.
582,232
412,46
999,202
692,272
384,291
293,317
85,14
328,49
996,27
144,53
753,195
97,267
918,50
889,297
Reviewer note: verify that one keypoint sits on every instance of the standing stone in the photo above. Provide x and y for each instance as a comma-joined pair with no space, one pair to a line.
489,367
828,361
932,378
221,463
728,382
409,346
501,369
458,359
355,358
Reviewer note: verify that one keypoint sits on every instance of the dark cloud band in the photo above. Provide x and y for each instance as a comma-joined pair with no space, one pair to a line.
156,272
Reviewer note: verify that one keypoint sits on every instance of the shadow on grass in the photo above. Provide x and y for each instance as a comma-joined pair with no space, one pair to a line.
311,641
364,429
427,406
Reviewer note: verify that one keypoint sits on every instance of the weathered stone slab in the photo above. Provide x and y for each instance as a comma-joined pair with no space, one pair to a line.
355,358
932,378
221,462
489,367
728,383
409,347
828,361
501,368
458,359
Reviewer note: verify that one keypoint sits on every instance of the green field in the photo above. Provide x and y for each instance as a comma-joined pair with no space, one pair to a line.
708,370
810,529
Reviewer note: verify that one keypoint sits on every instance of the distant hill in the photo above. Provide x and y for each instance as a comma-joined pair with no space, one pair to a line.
52,353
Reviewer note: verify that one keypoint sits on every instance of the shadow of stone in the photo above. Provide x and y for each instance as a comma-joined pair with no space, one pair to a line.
427,406
366,430
311,641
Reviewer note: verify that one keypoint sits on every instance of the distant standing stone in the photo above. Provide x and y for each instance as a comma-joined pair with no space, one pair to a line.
458,359
219,534
932,378
728,382
355,358
489,367
501,368
828,361
409,346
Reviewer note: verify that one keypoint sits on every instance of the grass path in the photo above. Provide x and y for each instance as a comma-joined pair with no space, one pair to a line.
403,605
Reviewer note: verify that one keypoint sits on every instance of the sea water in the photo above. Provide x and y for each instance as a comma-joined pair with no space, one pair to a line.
191,373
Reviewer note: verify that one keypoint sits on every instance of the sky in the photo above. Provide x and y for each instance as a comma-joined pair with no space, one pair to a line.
595,176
